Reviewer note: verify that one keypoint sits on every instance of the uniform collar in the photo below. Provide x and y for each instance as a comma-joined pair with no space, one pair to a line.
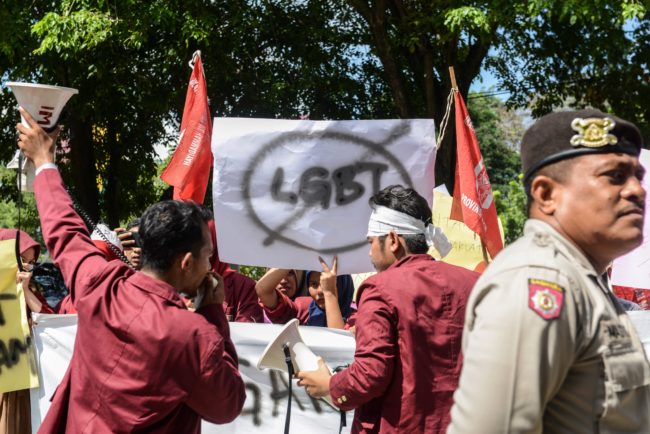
157,287
543,234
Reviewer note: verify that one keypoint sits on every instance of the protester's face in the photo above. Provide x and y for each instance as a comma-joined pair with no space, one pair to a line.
600,206
315,290
201,265
379,254
133,254
28,258
289,284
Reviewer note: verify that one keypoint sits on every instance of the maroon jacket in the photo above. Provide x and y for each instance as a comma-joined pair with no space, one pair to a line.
26,242
141,361
408,357
240,299
288,309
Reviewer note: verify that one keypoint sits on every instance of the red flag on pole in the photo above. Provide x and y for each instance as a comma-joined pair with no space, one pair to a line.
189,168
473,203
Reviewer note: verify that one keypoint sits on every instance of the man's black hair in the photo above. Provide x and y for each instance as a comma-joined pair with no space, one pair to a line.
168,229
206,213
135,223
409,202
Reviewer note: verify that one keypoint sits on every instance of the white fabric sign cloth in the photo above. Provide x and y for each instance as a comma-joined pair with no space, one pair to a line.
633,269
641,321
266,391
286,191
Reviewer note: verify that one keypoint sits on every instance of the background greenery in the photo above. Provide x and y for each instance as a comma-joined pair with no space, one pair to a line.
331,59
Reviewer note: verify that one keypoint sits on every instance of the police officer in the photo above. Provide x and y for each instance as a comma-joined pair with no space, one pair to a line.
547,347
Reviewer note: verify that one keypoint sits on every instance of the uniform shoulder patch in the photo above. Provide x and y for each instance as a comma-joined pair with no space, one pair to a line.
545,298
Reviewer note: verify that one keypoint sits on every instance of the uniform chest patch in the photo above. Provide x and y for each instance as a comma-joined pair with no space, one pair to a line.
545,298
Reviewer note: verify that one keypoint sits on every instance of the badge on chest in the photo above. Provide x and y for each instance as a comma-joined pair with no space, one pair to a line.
545,298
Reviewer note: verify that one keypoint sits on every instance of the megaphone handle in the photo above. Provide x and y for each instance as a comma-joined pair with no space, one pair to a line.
92,225
19,260
287,359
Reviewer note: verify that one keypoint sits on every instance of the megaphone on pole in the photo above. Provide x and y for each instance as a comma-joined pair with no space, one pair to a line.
44,103
302,357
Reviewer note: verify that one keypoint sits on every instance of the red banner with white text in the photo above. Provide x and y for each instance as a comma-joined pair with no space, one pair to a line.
189,168
473,202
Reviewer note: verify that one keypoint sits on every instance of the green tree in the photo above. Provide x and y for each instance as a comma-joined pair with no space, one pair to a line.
511,205
597,57
550,43
281,58
488,116
128,60
254,273
29,220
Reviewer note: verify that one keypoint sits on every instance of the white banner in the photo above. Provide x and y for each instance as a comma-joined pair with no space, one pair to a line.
287,191
266,391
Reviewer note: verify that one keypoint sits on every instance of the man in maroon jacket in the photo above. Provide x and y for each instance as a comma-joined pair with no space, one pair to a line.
142,361
408,330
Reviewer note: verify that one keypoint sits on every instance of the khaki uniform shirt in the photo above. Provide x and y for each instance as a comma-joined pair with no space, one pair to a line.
547,348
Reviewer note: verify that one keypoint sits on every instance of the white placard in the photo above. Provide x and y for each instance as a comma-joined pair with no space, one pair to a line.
287,191
633,269
266,391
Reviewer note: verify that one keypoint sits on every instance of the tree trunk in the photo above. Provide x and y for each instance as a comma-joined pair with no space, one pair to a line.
82,166
112,197
375,16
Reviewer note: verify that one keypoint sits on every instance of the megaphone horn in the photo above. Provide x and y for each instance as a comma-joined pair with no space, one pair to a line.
43,102
302,357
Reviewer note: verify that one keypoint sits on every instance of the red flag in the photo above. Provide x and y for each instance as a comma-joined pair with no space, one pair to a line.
189,168
473,203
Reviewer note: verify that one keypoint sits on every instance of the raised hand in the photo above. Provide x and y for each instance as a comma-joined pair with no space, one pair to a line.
328,277
36,144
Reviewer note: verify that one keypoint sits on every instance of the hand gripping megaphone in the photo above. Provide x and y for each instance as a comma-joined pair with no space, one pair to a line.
302,357
44,103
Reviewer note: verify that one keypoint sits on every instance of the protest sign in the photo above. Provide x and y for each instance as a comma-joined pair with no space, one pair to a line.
287,191
466,251
266,391
633,269
17,363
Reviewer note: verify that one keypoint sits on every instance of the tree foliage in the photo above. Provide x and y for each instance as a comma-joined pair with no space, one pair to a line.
332,59
511,205
499,131
128,60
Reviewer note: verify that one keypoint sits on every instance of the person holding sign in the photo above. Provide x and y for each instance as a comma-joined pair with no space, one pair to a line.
544,333
14,405
408,326
142,361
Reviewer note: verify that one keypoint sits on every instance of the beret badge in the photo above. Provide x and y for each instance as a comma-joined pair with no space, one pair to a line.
593,132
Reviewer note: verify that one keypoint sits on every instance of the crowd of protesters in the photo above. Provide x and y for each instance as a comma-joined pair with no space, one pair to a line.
540,329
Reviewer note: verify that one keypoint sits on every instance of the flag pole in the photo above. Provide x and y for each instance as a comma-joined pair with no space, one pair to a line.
450,102
452,76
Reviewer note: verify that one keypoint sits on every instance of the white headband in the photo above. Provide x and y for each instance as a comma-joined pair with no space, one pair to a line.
384,220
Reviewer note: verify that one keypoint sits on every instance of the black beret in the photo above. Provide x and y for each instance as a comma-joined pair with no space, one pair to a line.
567,134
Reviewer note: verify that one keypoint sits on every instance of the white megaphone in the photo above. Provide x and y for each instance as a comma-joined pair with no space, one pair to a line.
302,357
44,103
